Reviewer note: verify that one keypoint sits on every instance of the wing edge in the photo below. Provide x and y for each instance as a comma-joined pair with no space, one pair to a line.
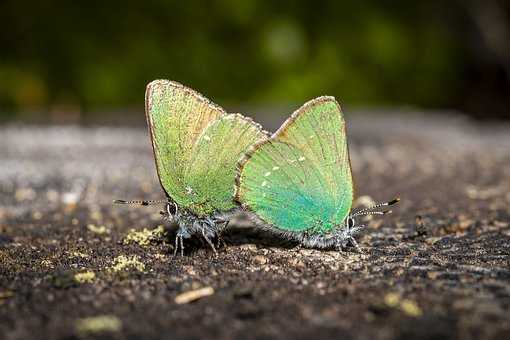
281,130
148,105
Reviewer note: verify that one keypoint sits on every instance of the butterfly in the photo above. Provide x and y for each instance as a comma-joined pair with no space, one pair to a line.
196,148
299,181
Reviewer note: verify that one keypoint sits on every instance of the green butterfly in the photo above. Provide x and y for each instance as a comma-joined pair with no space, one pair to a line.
196,148
299,182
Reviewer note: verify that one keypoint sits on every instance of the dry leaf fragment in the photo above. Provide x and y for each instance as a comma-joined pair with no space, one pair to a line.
193,295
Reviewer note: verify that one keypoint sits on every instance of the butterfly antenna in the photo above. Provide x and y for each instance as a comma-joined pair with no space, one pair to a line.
366,213
139,202
369,210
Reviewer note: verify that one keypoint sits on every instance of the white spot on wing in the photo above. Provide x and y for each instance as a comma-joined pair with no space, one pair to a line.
267,174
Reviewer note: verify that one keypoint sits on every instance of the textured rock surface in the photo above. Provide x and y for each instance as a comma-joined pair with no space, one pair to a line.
438,267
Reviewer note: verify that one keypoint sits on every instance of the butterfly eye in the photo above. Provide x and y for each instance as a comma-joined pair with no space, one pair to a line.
350,222
171,209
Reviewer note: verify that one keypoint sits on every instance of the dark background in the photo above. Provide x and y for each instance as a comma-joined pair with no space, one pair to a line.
63,61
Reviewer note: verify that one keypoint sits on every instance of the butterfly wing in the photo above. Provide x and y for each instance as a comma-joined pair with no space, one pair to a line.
300,179
211,171
188,132
176,116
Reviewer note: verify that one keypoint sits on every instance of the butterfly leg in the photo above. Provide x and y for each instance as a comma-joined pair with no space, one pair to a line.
355,244
298,247
176,246
179,243
209,242
350,237
182,245
220,241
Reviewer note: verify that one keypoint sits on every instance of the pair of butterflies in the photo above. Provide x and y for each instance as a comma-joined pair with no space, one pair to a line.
297,182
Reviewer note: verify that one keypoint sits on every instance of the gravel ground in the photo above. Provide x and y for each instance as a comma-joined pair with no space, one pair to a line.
439,267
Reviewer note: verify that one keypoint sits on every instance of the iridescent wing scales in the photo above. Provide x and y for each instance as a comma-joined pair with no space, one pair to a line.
300,179
211,171
178,117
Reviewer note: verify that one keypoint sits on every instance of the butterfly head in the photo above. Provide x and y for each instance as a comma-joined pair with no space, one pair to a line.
351,226
171,211
350,222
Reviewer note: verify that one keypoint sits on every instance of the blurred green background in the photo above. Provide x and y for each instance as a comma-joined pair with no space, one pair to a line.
65,60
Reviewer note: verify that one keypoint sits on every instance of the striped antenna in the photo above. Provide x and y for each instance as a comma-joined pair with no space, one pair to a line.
366,213
369,210
140,202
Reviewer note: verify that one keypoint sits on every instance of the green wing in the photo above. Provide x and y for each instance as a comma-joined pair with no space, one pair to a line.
188,134
211,171
300,178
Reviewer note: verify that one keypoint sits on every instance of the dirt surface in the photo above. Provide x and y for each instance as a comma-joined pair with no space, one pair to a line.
437,268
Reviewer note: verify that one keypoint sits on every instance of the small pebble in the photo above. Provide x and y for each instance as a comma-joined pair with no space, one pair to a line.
70,198
249,246
260,259
100,230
